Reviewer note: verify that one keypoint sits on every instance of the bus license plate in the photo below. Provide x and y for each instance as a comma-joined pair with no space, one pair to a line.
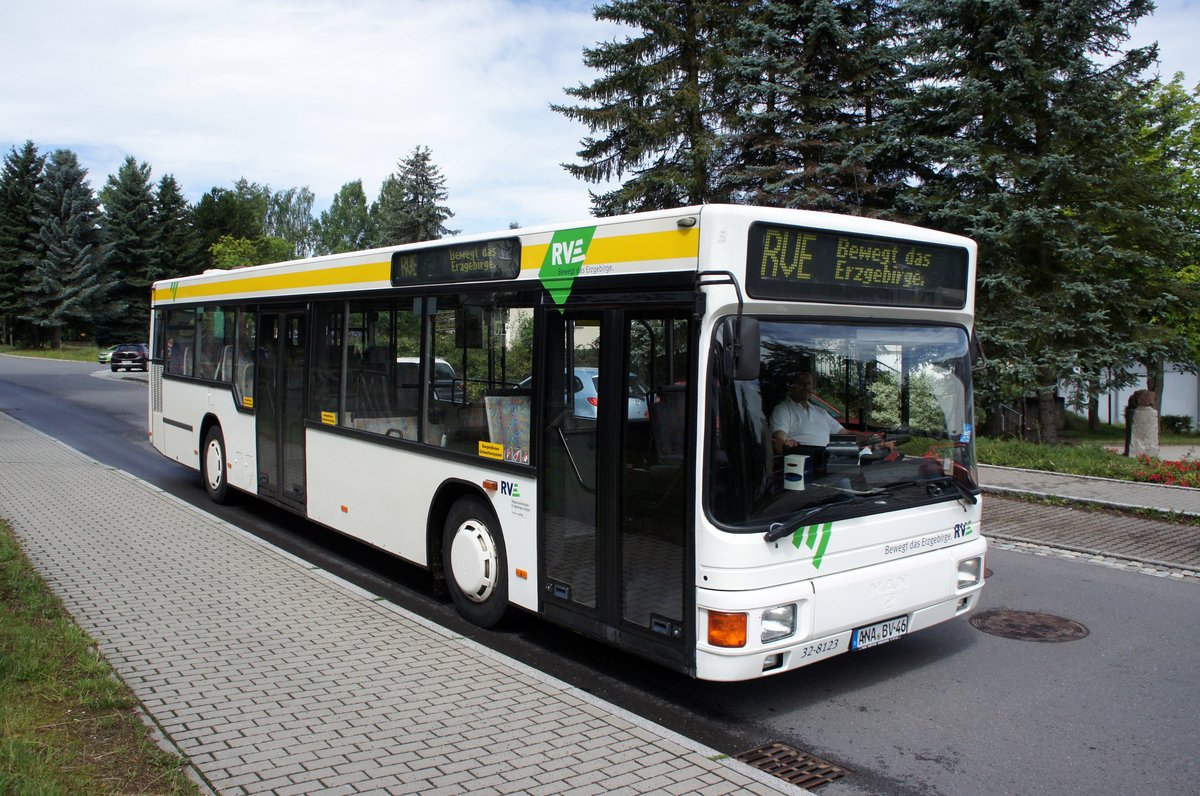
879,633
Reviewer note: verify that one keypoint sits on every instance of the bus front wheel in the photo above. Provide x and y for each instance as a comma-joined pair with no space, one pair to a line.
214,466
475,562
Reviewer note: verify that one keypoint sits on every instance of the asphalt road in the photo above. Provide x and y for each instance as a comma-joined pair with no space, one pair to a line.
947,711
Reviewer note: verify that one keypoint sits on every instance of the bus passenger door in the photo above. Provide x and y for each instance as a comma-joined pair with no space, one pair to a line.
613,487
279,404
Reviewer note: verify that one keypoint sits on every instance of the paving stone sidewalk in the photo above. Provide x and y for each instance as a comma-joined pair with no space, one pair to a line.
1155,543
1102,491
273,676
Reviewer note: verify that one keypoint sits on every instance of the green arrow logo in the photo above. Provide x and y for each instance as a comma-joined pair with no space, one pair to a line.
813,536
564,259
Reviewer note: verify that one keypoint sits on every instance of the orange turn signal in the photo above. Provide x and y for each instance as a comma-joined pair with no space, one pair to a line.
726,630
490,485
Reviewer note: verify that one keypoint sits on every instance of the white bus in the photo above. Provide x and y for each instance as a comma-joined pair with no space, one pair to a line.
428,400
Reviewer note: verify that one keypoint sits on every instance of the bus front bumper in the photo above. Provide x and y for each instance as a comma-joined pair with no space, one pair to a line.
838,613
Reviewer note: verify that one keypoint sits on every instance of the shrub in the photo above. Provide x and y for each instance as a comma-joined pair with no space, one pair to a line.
1177,424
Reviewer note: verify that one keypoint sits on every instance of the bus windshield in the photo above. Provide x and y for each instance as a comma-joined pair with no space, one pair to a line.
895,426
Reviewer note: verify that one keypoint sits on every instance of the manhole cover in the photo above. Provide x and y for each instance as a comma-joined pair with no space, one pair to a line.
1028,625
792,765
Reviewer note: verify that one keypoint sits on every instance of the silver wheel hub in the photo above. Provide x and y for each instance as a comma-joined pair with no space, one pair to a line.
474,561
214,464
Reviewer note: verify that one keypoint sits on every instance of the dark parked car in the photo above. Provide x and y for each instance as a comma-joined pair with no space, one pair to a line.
130,356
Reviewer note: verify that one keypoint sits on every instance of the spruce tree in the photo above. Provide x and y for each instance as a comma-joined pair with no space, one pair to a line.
1023,140
68,284
346,225
659,106
129,229
177,246
811,85
19,180
409,208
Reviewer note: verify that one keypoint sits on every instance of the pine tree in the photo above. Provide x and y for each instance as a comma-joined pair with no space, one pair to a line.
129,229
659,105
409,208
177,246
68,283
19,181
1024,137
346,225
811,85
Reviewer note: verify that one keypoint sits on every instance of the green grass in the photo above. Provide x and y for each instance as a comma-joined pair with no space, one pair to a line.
1086,459
75,352
1084,452
67,724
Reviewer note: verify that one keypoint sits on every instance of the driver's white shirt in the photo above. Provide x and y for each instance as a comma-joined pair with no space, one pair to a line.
809,425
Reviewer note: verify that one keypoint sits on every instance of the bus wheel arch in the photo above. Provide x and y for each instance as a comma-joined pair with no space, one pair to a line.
214,461
474,559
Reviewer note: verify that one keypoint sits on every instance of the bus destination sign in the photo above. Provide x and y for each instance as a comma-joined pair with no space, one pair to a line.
819,265
458,262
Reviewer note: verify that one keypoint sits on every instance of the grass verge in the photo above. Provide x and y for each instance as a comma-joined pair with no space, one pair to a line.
67,724
75,352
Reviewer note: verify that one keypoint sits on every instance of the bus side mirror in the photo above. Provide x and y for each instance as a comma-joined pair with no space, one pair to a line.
741,362
978,360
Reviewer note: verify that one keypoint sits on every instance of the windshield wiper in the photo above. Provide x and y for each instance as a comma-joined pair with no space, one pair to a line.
778,530
964,494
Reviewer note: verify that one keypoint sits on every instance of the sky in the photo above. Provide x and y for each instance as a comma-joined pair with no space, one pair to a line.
318,93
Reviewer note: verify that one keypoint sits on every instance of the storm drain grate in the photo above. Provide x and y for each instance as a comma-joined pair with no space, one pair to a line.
792,765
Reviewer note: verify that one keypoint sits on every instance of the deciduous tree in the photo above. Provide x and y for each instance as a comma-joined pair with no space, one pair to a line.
346,225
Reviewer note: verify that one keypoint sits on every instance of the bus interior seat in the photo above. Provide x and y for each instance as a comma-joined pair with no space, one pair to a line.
509,420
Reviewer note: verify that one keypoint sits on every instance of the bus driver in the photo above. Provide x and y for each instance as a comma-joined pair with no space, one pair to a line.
797,422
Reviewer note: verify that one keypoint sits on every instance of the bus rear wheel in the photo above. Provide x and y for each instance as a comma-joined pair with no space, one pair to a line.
214,466
475,562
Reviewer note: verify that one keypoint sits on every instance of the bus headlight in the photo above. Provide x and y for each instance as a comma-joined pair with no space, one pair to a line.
969,572
778,622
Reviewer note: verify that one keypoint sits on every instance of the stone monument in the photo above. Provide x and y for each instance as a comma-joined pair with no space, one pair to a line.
1143,433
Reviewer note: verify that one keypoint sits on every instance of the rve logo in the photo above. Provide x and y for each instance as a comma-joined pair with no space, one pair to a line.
962,530
567,252
509,488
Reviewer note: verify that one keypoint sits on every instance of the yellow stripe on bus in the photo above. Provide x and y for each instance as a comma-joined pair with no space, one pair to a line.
668,245
297,280
648,246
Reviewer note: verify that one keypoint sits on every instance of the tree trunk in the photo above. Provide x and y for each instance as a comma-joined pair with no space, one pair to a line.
1048,417
1093,412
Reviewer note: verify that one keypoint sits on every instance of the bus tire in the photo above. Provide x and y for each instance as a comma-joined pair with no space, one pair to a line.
214,467
475,562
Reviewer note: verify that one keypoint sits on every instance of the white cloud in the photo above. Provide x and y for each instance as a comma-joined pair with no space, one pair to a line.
321,92
1174,25
314,93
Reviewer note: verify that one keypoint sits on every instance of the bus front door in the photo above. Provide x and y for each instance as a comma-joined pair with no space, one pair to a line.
279,404
614,535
